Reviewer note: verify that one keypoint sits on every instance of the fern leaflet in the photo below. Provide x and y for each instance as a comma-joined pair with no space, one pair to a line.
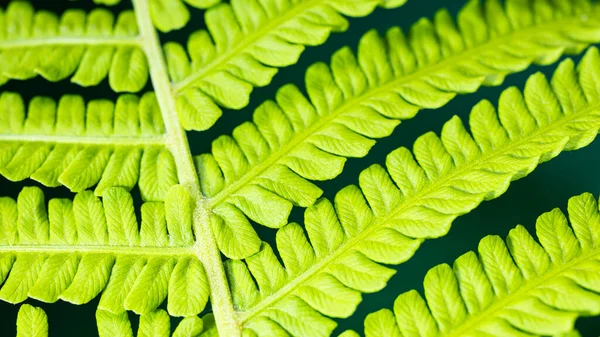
394,210
31,322
264,169
89,47
508,289
168,15
76,249
248,40
73,250
79,146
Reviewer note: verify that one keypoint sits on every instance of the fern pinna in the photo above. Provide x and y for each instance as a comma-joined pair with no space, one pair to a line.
513,288
154,232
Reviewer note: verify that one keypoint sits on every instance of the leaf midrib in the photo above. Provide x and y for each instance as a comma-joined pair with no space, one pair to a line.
100,249
247,40
85,140
300,137
69,41
205,248
407,204
530,285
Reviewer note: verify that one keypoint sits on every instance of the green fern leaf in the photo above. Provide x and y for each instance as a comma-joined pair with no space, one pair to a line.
168,15
79,146
509,289
107,2
87,47
32,322
75,250
153,324
189,327
113,325
385,220
265,167
246,42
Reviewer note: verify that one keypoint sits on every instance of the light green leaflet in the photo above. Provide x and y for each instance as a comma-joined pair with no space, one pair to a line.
154,324
386,217
92,47
32,322
80,145
75,250
169,15
246,41
516,288
85,47
264,168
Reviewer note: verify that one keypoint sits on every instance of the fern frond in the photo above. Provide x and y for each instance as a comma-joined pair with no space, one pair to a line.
509,289
79,146
246,42
153,324
265,168
385,218
90,47
73,250
31,322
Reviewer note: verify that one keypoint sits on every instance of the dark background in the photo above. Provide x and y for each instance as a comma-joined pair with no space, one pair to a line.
550,186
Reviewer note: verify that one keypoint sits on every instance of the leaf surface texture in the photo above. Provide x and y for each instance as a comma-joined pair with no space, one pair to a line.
81,145
31,322
509,288
85,47
75,250
338,253
266,166
246,41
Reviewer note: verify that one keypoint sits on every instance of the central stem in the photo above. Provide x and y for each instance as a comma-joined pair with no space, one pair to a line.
176,142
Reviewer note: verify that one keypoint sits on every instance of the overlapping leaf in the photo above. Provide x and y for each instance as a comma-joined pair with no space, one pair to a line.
246,41
264,169
74,250
79,145
386,217
509,289
86,47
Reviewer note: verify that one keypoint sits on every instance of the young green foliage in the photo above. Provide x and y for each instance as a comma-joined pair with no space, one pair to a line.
194,209
75,250
88,47
79,145
510,288
265,167
385,218
32,322
246,41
